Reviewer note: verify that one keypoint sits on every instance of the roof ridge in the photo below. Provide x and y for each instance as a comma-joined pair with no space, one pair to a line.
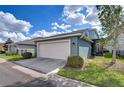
73,32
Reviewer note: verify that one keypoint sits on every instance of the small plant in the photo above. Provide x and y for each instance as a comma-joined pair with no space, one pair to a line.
75,62
27,55
108,55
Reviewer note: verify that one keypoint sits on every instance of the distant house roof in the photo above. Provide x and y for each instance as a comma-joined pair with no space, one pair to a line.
26,42
65,35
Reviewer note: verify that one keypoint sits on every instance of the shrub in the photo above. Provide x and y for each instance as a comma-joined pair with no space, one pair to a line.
108,55
27,55
2,52
75,62
121,56
106,51
10,53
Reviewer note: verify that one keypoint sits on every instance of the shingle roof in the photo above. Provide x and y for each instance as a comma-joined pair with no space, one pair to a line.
74,33
58,37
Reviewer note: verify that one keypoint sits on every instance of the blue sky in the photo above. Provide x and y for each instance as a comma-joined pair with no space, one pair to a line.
40,17
25,22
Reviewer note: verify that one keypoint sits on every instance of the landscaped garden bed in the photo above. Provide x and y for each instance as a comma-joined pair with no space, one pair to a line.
13,57
96,74
16,57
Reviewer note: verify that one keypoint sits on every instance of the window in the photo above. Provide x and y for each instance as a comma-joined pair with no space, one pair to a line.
87,33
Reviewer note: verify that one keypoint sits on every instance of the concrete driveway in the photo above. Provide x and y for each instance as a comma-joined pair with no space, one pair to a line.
11,74
44,65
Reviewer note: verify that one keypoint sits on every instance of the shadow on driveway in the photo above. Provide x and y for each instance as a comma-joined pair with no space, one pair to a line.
39,82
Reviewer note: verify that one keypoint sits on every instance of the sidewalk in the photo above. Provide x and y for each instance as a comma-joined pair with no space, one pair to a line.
52,81
60,81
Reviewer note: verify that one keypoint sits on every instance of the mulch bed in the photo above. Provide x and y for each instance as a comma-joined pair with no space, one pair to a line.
118,66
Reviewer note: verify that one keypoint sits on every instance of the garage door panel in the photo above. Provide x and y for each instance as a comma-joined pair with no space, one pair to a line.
57,50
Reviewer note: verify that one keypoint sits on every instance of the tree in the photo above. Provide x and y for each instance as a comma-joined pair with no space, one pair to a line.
9,41
112,22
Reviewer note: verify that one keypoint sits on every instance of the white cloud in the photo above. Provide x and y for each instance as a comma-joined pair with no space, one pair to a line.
75,29
76,18
92,17
44,33
22,37
64,27
1,41
122,13
54,28
9,23
71,9
10,27
74,15
97,27
13,35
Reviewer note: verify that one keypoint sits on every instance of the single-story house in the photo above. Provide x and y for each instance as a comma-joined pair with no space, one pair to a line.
98,48
63,45
22,46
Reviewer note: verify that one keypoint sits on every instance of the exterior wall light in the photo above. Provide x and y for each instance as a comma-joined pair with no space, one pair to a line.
73,43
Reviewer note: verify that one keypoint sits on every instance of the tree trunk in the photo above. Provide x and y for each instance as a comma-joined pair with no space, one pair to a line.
114,50
115,35
114,55
85,60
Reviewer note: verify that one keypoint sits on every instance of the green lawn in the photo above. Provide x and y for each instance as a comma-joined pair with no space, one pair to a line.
13,57
96,74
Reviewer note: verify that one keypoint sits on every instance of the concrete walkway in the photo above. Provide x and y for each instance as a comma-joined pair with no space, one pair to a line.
44,65
60,81
2,55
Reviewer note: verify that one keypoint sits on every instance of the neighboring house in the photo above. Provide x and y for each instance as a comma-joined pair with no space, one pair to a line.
63,45
98,48
120,46
22,46
1,47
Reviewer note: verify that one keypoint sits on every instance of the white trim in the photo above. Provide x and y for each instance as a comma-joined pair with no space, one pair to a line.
55,37
55,41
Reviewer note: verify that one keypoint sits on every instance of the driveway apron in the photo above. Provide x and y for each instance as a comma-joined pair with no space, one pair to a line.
44,65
